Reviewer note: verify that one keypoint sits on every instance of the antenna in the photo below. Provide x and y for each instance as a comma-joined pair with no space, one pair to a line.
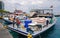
51,7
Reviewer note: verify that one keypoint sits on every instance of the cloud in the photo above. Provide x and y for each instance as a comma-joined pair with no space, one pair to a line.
27,5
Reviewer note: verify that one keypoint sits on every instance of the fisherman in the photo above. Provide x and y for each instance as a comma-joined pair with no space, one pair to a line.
47,22
25,16
17,22
13,21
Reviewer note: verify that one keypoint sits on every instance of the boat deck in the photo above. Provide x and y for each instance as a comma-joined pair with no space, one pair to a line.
18,30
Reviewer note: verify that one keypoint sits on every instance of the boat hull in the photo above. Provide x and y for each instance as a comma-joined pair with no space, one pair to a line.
34,35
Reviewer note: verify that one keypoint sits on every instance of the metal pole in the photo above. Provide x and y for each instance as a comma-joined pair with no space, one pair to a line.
39,36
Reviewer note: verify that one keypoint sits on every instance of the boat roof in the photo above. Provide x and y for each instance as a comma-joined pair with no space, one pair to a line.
41,12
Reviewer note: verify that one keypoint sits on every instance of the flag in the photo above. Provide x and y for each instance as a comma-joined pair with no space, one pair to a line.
51,6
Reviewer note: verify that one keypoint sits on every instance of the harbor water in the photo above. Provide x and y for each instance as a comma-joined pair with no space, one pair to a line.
53,32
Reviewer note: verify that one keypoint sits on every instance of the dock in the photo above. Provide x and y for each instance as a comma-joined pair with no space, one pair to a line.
4,33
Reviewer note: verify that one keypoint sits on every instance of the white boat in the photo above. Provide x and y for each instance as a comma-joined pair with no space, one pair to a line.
32,25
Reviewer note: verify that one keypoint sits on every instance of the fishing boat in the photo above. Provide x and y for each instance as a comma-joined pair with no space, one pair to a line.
36,23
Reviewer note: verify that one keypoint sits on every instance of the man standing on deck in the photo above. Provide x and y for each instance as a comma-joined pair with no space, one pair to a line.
17,22
13,21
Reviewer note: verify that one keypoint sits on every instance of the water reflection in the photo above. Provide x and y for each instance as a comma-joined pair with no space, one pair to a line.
1,21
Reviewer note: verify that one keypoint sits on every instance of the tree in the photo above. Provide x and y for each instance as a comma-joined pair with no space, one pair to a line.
3,11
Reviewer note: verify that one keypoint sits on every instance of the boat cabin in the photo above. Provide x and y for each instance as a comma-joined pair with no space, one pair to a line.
41,12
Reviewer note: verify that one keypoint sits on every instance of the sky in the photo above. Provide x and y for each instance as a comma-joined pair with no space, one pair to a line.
27,5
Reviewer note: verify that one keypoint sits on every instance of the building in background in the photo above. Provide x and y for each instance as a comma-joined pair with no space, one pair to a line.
1,5
1,8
